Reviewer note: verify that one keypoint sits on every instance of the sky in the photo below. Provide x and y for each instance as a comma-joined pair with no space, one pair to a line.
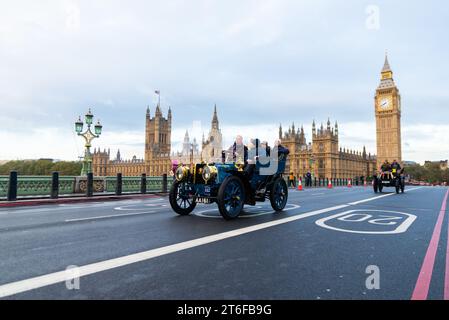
262,62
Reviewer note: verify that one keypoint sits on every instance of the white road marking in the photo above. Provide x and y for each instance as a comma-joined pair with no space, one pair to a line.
109,216
251,213
403,227
382,196
61,276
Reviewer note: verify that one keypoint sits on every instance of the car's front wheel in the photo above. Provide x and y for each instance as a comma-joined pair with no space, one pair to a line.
279,195
398,185
181,198
231,197
380,186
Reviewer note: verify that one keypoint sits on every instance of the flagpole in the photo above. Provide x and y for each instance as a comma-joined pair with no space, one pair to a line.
158,92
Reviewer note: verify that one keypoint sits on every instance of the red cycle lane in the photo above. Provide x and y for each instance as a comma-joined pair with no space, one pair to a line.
422,286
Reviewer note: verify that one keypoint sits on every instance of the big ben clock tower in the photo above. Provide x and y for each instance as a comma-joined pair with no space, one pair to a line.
387,104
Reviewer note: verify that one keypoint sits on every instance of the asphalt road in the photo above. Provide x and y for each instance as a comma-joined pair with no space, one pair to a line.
328,244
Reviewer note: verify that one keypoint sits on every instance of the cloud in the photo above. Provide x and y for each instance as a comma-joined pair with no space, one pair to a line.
262,62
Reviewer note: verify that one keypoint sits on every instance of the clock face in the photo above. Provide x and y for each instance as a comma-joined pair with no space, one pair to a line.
384,104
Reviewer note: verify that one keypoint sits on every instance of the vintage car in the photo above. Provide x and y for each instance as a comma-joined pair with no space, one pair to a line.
231,185
391,178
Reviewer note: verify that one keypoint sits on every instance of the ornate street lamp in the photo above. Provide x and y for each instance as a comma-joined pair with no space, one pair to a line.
88,136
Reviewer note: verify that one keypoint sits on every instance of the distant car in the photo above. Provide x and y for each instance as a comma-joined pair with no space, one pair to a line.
389,179
230,186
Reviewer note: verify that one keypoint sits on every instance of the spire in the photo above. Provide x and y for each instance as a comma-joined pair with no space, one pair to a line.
118,158
387,75
215,124
186,136
169,113
158,111
386,67
148,111
328,124
280,130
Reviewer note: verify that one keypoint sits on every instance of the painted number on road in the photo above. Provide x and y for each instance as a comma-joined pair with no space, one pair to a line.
368,222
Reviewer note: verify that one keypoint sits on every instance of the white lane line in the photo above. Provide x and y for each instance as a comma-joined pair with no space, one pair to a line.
61,276
251,214
109,216
379,197
317,194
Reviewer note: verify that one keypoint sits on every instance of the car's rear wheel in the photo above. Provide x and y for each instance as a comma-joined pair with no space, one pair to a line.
231,198
375,185
181,198
279,195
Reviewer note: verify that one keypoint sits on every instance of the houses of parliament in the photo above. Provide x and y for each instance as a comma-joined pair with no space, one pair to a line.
323,156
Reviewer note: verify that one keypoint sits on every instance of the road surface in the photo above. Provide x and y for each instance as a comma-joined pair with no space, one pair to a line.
343,243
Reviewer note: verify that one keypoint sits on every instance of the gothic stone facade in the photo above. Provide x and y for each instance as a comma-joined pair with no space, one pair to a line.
213,146
323,157
157,151
190,151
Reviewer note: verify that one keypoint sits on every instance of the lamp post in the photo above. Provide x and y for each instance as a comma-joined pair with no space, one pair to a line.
88,136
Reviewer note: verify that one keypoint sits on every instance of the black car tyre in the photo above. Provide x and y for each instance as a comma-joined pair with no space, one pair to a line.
375,185
381,187
231,197
398,186
279,194
181,199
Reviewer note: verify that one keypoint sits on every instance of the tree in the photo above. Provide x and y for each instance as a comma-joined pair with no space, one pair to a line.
41,167
430,172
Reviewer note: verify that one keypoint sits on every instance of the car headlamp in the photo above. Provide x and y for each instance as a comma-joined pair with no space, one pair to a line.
182,173
240,165
209,173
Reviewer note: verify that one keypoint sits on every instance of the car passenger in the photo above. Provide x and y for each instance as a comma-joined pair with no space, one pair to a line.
253,155
385,168
396,167
239,150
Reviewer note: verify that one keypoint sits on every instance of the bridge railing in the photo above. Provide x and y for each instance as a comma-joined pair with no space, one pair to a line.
16,186
324,182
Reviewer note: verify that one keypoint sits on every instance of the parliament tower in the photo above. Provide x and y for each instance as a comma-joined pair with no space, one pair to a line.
387,104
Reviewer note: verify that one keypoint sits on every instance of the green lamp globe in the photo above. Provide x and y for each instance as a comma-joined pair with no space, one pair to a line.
98,128
89,117
79,125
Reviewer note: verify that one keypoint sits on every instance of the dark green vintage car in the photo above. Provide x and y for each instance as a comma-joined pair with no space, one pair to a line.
231,185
